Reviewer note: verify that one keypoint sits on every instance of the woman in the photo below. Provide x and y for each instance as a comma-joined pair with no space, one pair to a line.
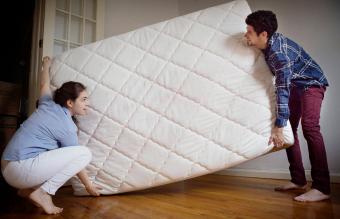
44,152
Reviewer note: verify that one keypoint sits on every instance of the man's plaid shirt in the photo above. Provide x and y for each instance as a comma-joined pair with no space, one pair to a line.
292,66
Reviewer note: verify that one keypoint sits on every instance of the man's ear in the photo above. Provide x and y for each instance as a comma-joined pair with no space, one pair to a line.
69,103
264,34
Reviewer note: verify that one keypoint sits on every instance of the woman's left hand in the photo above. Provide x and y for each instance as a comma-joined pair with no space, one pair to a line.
46,62
93,189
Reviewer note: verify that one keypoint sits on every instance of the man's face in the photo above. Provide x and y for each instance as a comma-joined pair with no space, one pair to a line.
251,36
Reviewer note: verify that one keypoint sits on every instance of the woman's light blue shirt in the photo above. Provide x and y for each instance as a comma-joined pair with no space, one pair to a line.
49,127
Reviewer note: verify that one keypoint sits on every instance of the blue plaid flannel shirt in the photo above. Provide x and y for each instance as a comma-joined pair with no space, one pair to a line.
291,66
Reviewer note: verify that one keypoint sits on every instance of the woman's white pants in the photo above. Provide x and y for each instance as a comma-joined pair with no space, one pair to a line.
49,170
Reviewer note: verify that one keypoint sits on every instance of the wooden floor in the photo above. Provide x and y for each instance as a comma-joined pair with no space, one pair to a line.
210,196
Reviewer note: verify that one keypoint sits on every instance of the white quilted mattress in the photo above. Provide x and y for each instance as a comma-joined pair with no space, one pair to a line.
172,101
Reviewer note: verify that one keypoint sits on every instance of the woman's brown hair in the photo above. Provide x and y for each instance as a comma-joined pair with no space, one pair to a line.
68,91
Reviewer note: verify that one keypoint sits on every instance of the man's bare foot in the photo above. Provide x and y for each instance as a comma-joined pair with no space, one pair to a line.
290,186
43,199
312,195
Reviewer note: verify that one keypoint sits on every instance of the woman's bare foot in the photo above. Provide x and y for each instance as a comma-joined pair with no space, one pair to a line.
24,192
290,186
43,199
312,195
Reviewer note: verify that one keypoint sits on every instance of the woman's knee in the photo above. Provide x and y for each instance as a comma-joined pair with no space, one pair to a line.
81,153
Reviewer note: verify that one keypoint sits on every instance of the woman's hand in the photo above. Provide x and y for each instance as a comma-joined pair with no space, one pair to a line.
45,78
46,62
93,189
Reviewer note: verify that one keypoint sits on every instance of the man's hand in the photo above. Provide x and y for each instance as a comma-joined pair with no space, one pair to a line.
277,137
93,189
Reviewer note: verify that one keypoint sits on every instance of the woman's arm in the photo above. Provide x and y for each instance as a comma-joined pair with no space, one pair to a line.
45,77
90,187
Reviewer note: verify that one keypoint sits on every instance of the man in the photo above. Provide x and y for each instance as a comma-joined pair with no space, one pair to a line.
300,86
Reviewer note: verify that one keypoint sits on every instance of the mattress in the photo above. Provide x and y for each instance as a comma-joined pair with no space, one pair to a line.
172,101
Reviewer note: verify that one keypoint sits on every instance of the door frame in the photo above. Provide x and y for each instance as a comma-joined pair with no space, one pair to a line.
43,39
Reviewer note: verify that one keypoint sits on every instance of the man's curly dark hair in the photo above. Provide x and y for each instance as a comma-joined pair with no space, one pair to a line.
262,21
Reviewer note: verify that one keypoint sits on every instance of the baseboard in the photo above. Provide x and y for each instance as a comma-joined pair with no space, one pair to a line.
271,174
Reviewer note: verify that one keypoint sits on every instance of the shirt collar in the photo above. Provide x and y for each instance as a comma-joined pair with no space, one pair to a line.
67,112
270,43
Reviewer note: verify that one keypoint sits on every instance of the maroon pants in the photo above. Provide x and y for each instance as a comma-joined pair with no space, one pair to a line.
306,105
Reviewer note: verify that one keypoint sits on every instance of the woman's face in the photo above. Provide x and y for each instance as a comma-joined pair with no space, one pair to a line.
79,106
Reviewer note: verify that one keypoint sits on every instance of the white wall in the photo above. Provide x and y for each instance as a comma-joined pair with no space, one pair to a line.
124,15
188,6
315,27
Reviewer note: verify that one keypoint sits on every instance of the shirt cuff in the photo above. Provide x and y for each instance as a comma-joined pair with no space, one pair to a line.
280,123
45,98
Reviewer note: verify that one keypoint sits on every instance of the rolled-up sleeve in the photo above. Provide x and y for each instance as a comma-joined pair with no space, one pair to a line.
45,100
281,67
67,138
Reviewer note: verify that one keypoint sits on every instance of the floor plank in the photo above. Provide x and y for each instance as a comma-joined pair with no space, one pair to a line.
210,196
